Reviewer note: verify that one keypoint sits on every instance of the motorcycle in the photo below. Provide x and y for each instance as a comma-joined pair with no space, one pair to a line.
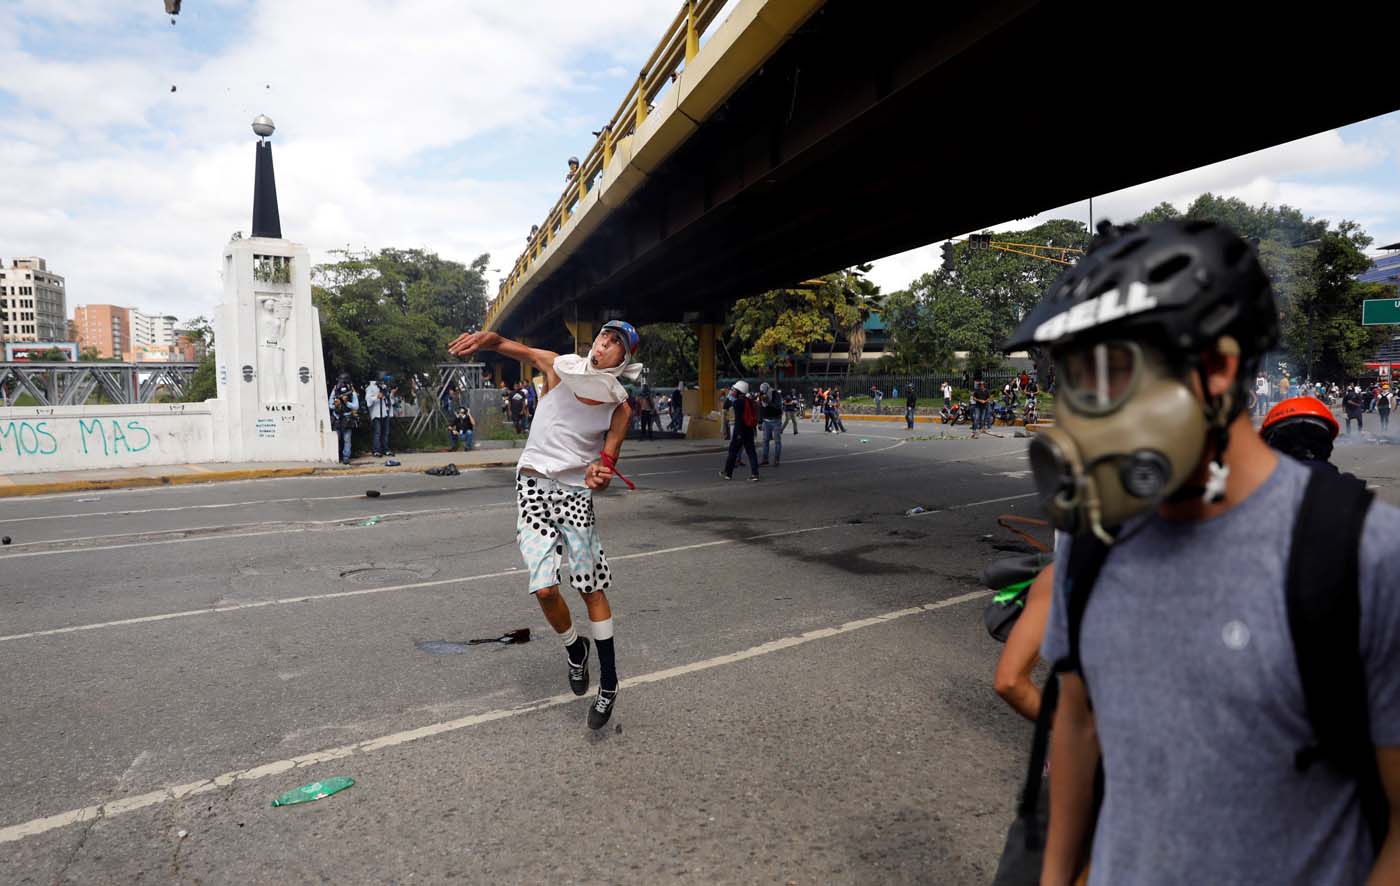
1032,412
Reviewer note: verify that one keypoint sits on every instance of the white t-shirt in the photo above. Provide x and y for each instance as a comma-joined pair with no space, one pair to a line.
566,436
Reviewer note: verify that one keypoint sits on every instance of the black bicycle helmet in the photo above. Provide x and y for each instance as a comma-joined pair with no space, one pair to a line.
1183,284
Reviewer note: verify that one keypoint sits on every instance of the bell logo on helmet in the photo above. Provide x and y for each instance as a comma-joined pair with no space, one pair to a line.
1097,311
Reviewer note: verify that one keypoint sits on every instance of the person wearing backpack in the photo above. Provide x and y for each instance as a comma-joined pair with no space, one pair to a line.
745,424
1233,616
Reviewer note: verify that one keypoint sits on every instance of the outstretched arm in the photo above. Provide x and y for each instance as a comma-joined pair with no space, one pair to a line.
469,343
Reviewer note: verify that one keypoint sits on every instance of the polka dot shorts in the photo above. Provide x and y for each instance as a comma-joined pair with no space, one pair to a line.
554,519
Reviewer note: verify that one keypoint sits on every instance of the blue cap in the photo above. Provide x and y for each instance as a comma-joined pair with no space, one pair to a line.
629,333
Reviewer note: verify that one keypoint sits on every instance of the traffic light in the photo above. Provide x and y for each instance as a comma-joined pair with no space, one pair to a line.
948,253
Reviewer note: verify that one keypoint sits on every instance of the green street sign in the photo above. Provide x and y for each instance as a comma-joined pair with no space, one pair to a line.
1380,312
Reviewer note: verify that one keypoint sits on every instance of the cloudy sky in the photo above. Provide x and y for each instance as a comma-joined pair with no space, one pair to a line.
416,123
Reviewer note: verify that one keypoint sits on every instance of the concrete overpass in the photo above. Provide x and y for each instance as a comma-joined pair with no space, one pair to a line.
805,136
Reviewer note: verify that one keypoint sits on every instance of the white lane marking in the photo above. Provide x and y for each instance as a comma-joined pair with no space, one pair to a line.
339,595
37,826
233,504
314,524
300,526
971,504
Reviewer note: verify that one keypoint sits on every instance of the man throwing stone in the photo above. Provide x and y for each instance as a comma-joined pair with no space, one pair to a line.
559,470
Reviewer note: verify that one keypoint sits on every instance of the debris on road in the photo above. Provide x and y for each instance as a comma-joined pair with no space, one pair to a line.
372,521
518,635
315,791
372,493
447,470
915,511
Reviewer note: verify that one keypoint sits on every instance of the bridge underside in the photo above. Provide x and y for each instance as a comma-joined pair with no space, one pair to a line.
871,133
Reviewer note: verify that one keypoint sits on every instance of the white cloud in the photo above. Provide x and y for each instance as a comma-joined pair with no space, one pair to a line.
131,191
1268,176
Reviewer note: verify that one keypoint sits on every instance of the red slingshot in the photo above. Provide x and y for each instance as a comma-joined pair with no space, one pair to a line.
611,464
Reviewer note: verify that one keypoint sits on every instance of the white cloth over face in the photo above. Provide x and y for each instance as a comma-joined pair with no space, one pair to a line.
585,380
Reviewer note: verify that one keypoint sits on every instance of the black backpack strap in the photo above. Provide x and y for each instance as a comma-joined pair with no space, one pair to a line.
1324,618
1086,558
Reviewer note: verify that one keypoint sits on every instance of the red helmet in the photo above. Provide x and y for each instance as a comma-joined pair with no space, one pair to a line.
1307,409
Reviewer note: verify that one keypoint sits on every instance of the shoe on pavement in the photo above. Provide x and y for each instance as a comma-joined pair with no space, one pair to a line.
578,673
753,479
601,711
776,462
763,464
726,476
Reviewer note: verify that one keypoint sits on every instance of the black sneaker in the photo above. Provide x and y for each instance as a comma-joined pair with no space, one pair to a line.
578,673
726,476
753,479
601,711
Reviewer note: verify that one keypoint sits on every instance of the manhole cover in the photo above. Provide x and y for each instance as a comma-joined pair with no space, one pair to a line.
386,575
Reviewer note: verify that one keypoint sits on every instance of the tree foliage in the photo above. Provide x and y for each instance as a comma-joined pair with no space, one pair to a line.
783,322
395,310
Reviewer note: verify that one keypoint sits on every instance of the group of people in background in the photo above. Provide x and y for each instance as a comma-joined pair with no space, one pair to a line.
1356,398
648,407
380,402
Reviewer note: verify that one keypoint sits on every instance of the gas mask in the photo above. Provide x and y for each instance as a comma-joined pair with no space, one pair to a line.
1129,432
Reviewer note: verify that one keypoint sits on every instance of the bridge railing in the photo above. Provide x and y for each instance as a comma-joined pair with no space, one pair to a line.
677,47
71,384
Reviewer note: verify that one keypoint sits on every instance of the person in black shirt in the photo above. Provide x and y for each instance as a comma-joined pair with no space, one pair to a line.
1352,404
770,413
981,406
910,403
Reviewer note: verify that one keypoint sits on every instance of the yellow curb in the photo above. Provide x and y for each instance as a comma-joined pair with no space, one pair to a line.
22,489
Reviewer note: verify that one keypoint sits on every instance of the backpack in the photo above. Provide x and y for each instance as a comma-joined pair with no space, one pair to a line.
750,414
1324,612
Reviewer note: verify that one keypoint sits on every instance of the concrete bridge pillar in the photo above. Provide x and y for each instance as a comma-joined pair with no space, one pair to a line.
702,427
583,332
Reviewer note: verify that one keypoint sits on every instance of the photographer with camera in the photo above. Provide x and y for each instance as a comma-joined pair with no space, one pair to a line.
382,398
345,408
461,429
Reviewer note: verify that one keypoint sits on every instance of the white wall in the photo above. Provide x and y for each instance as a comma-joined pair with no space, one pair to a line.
71,438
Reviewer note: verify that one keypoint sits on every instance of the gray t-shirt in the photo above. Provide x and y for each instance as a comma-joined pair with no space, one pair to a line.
1199,707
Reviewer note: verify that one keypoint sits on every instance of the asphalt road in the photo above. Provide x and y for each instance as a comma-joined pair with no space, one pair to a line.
807,685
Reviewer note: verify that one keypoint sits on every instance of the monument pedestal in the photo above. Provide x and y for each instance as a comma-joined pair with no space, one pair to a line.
271,375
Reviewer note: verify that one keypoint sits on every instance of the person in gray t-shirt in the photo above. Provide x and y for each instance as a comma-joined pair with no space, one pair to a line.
1198,705
1197,702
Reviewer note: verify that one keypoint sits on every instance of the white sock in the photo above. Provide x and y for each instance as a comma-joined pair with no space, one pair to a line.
569,636
602,630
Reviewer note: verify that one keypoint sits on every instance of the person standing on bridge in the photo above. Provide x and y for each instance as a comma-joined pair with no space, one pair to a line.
559,470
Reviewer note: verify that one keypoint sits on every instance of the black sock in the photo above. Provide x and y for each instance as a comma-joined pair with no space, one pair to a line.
576,651
607,666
